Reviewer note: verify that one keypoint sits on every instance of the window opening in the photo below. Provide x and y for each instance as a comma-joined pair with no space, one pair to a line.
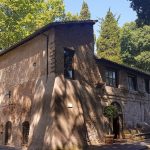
68,64
25,132
8,131
132,82
147,89
111,77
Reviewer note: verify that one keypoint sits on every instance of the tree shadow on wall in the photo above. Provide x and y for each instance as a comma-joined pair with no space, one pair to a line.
88,113
54,124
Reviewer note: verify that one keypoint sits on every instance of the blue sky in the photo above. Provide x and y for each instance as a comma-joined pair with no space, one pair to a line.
98,9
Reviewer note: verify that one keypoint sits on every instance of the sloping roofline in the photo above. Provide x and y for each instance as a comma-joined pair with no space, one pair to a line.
43,29
132,69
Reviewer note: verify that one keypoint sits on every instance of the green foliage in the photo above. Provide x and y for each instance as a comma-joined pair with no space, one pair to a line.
135,45
142,8
70,17
143,60
85,13
20,18
110,112
108,43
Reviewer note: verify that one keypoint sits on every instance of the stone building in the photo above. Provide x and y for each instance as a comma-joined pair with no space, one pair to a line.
129,90
53,90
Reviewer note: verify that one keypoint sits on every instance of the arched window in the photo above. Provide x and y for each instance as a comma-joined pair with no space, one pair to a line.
8,131
25,132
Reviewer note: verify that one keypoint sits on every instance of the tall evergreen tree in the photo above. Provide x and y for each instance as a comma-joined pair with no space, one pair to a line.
142,8
85,13
19,18
108,42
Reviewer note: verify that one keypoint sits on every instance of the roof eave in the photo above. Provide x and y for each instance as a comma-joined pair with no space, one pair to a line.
124,66
44,29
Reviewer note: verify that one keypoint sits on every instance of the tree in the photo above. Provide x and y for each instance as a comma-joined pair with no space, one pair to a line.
135,45
85,13
70,17
20,18
108,43
143,60
142,8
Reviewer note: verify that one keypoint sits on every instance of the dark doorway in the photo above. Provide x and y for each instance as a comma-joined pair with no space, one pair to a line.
8,132
117,122
116,127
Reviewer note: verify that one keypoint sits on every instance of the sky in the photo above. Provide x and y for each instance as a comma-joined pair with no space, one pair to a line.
98,9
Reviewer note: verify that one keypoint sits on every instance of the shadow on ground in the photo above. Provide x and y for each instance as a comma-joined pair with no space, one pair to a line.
8,148
119,147
136,146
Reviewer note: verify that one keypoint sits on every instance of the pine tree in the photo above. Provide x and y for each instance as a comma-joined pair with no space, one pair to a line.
85,13
108,42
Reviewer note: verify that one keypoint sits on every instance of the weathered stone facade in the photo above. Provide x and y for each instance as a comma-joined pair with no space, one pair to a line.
61,112
135,104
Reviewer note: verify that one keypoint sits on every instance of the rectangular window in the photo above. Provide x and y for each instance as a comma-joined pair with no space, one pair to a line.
68,64
132,82
111,77
147,86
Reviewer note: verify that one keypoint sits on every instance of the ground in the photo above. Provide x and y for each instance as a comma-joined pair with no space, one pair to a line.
8,148
145,145
120,147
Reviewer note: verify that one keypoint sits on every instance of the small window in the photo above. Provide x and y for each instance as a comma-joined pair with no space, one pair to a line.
111,77
25,132
132,82
147,86
68,64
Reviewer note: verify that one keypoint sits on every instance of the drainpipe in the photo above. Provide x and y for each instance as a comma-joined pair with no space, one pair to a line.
47,70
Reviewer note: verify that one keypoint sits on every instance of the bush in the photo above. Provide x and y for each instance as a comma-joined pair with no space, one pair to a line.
110,112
